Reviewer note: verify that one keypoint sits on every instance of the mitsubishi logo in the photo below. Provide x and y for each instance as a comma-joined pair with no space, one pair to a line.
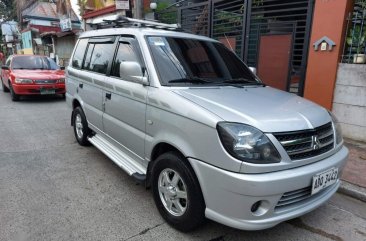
315,143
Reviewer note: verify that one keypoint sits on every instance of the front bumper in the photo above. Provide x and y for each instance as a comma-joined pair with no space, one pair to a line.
35,89
229,196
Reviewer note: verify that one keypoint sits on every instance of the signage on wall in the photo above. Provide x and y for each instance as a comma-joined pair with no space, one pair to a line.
65,24
123,4
325,44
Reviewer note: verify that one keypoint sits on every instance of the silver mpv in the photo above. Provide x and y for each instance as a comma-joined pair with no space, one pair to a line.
184,115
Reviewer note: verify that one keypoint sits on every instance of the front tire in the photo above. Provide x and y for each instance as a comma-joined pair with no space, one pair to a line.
81,129
14,96
5,89
177,193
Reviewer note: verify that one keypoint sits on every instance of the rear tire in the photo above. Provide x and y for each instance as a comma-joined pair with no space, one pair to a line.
5,89
81,129
177,193
14,96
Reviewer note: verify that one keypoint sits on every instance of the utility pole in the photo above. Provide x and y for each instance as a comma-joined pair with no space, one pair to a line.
139,9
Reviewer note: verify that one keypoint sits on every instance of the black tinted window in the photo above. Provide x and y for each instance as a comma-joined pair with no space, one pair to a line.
88,57
101,56
79,53
33,62
125,53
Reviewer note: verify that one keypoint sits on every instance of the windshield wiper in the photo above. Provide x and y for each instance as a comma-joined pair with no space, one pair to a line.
243,81
194,80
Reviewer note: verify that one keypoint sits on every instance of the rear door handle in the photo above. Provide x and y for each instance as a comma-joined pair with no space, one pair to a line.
81,85
108,96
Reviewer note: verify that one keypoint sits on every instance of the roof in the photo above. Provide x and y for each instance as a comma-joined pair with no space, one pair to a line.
45,10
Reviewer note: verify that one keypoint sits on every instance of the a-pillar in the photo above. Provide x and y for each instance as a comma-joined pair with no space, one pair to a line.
330,20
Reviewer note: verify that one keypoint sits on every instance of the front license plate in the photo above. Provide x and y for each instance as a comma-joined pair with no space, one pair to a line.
47,91
324,179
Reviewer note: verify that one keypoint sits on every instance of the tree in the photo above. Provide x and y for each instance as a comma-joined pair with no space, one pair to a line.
82,5
8,9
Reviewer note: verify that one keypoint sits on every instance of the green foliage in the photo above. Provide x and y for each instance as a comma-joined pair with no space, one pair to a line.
82,6
166,15
8,9
227,22
258,3
356,38
361,3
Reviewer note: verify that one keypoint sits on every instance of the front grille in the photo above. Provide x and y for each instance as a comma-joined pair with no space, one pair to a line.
45,81
293,197
39,91
307,143
297,197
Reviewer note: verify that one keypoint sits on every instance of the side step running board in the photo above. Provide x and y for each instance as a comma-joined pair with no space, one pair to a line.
121,159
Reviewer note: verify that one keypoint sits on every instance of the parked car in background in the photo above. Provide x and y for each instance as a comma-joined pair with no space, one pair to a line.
32,75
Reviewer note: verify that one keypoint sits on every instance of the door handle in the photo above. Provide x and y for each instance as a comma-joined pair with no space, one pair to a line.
108,96
81,85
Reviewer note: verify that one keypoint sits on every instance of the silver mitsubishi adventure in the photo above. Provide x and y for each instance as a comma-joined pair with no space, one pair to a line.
184,115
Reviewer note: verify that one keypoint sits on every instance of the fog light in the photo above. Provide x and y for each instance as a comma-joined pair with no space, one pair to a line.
260,208
255,206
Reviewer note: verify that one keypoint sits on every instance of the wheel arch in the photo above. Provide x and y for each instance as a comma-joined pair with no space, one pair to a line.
75,103
159,149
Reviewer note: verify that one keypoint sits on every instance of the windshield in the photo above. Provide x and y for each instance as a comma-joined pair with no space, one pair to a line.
181,61
34,62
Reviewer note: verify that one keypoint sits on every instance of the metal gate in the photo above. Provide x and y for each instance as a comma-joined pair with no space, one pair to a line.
239,24
274,17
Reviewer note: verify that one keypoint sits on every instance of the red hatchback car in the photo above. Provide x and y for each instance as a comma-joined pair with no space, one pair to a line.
32,75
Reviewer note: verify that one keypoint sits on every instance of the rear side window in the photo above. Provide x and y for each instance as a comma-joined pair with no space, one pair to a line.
98,57
78,57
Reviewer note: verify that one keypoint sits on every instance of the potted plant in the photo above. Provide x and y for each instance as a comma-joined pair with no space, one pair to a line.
356,41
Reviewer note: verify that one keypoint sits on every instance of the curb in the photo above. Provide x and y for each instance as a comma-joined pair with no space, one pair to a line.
352,190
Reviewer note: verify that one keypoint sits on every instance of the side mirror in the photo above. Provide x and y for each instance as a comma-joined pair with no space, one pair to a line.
5,67
132,71
253,69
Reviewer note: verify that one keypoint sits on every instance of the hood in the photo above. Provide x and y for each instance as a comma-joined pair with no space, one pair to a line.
39,74
265,108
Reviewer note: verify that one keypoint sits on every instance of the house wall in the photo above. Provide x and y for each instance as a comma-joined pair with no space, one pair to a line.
349,104
27,47
40,22
64,47
330,19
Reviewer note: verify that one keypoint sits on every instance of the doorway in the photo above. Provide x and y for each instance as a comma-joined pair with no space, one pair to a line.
274,60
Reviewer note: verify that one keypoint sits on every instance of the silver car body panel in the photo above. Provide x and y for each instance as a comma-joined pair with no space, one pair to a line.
138,118
229,196
266,108
124,115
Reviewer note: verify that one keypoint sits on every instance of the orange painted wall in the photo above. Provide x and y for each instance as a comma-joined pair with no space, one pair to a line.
329,20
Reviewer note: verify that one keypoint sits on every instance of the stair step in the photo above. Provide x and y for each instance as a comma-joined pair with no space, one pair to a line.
117,156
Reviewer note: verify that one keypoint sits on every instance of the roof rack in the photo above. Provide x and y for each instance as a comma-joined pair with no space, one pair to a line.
117,21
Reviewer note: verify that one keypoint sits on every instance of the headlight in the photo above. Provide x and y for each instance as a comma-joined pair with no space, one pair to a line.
247,143
62,80
337,127
23,81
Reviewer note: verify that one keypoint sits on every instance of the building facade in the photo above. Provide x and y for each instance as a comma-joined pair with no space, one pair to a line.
44,31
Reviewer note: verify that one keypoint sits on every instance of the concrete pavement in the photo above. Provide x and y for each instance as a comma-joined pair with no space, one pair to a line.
354,173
